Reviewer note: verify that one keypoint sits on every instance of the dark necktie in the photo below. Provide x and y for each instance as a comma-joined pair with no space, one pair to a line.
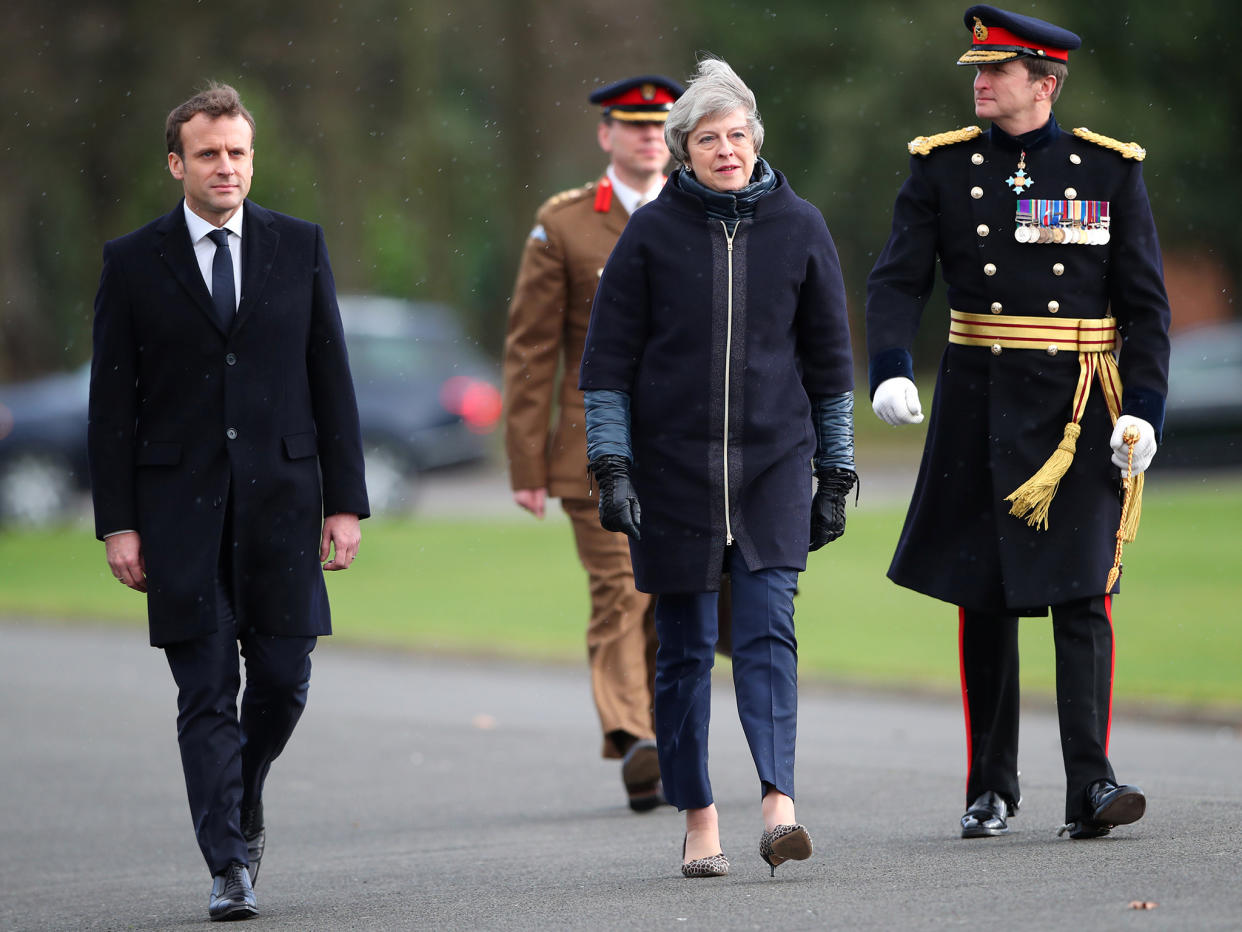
223,290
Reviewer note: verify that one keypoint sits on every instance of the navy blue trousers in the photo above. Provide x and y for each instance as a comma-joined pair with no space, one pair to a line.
765,679
225,757
1082,632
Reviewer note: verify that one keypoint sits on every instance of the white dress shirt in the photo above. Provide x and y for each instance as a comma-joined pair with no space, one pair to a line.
628,196
205,249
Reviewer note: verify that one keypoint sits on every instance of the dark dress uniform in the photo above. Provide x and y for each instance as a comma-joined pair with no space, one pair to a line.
977,201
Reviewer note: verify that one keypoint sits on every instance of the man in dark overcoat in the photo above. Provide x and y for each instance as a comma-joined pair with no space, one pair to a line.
226,466
1049,251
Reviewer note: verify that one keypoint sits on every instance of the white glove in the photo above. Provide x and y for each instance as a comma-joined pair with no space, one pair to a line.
1144,449
896,401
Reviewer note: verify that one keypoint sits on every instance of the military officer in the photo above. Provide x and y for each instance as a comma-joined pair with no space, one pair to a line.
1057,343
545,438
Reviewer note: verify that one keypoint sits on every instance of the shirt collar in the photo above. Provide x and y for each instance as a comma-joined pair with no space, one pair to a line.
199,227
628,196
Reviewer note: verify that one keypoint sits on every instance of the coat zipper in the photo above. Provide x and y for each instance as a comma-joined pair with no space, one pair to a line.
728,357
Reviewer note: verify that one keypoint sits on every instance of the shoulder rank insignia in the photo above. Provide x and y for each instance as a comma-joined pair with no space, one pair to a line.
922,145
565,197
1127,150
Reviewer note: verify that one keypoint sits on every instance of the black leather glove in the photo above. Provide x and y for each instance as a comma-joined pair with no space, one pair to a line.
618,503
828,505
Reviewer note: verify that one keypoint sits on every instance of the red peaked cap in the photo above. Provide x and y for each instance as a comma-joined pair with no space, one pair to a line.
1001,36
645,99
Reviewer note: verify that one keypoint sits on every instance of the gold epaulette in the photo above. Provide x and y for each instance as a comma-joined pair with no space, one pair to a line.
1128,150
922,145
568,197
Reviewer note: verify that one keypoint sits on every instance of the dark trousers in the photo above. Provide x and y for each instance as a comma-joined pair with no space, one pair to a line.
765,678
226,758
1082,633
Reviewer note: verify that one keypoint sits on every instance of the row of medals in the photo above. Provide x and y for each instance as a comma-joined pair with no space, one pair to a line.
1069,236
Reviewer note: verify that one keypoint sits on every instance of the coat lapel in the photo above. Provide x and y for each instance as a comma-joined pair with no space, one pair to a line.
175,249
259,242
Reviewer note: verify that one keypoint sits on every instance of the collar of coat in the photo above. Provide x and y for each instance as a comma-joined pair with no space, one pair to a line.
729,205
1027,142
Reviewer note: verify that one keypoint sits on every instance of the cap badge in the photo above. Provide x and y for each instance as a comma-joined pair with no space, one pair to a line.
981,31
648,91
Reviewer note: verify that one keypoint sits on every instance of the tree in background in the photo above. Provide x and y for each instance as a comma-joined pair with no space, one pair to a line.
423,137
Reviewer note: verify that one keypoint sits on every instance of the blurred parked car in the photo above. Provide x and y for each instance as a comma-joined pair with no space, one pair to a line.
1203,423
43,446
427,399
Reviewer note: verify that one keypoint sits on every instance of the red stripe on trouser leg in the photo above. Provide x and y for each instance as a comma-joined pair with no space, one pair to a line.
1112,668
961,665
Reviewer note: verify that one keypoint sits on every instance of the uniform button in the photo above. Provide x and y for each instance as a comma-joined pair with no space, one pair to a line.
217,503
231,359
1054,306
997,307
977,158
982,229
996,348
989,269
231,433
976,192
1058,268
1075,158
1071,193
1052,349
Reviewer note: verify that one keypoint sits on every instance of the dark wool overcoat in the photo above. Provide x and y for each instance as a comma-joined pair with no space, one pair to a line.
720,348
996,417
188,420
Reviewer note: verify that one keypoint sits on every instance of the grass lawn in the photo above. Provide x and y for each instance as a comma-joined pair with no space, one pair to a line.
513,587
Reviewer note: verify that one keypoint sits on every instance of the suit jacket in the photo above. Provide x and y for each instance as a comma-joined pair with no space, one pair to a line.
188,420
548,316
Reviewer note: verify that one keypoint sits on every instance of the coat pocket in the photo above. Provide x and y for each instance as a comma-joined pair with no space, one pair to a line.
158,454
300,446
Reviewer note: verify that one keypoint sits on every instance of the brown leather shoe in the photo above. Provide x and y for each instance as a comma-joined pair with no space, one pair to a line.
640,772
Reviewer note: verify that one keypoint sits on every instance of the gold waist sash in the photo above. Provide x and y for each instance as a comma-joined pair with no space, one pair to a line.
1094,341
1048,334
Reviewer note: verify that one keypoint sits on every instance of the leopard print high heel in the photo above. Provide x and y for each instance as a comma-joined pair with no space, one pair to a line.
784,843
717,865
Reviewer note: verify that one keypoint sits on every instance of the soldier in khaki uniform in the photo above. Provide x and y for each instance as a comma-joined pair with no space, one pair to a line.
545,438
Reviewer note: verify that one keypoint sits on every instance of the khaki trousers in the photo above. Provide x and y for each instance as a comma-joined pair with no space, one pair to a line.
621,640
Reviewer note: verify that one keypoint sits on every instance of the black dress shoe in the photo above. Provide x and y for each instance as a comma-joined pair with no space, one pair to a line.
255,834
640,772
1110,805
986,816
232,897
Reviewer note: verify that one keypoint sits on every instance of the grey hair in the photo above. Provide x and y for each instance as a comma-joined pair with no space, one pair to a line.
714,89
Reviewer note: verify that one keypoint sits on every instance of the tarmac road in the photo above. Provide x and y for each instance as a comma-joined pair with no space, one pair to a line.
426,793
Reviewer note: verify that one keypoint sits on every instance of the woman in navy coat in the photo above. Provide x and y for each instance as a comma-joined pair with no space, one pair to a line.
718,377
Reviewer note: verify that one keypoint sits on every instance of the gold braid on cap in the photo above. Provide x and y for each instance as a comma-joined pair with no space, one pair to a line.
1128,150
922,145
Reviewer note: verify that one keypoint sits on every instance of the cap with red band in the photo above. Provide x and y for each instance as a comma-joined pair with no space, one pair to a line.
1001,36
645,99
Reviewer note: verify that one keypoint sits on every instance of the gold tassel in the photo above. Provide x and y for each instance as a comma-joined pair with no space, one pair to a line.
1134,491
1033,498
1131,507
